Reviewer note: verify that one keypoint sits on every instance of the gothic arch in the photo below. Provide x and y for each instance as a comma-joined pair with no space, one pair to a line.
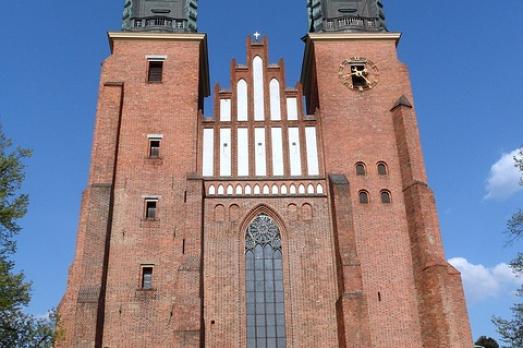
263,209
265,287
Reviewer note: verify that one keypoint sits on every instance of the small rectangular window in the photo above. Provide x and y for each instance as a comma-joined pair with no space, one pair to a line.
147,278
155,73
151,209
154,148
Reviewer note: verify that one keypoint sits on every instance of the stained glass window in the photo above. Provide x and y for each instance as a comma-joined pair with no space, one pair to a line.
264,285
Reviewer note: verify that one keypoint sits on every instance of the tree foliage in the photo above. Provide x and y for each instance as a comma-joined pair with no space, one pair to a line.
17,329
487,342
511,330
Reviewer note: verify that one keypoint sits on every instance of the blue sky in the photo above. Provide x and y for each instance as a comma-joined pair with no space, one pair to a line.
465,60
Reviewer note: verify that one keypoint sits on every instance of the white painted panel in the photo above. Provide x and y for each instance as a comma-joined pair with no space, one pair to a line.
275,189
225,152
212,190
221,190
292,108
239,190
319,189
266,190
259,97
257,190
292,189
301,189
310,189
294,151
248,190
230,190
259,144
225,110
312,151
243,152
277,152
243,100
208,152
284,189
274,88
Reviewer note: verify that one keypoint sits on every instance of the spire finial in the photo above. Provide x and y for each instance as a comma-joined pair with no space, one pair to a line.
257,36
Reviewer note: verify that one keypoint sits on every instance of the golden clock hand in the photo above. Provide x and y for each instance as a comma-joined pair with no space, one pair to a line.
367,80
361,75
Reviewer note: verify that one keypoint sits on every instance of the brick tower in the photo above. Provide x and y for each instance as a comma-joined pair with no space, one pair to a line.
265,225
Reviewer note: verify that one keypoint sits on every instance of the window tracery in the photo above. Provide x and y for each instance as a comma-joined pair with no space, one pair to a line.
264,284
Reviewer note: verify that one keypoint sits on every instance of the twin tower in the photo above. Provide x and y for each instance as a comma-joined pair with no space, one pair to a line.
295,217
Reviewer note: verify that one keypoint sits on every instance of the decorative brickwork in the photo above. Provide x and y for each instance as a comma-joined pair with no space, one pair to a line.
174,273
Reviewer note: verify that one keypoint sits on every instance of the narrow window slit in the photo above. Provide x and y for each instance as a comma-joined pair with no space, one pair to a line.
155,73
147,278
382,169
360,169
151,209
364,197
154,148
386,197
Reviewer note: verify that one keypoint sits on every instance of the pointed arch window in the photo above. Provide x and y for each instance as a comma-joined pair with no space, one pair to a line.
264,284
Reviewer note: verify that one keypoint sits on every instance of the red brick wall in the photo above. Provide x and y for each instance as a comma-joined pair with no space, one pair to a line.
355,275
394,241
171,313
309,270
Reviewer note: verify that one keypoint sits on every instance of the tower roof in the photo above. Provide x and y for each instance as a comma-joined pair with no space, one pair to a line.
160,15
346,16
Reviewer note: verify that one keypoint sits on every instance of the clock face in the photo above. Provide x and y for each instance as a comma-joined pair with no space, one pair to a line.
358,74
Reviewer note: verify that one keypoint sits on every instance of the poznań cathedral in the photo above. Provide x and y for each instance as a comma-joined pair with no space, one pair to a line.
294,217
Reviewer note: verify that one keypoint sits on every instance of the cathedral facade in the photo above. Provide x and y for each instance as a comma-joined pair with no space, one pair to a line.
295,217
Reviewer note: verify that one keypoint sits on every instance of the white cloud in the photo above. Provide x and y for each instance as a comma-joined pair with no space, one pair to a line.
482,282
504,178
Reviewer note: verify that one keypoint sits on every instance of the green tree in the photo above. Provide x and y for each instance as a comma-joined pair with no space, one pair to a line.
511,330
17,329
487,342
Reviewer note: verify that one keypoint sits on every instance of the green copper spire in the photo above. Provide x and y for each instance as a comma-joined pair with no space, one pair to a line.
160,15
346,16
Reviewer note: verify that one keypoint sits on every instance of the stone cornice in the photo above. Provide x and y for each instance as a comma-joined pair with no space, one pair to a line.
155,36
353,36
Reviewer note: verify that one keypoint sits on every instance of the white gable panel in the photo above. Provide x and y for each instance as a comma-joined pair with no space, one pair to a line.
208,152
294,151
225,110
243,152
292,109
312,151
259,147
243,100
274,88
277,152
225,152
259,96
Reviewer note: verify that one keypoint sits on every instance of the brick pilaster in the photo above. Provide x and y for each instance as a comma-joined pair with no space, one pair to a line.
353,321
439,290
